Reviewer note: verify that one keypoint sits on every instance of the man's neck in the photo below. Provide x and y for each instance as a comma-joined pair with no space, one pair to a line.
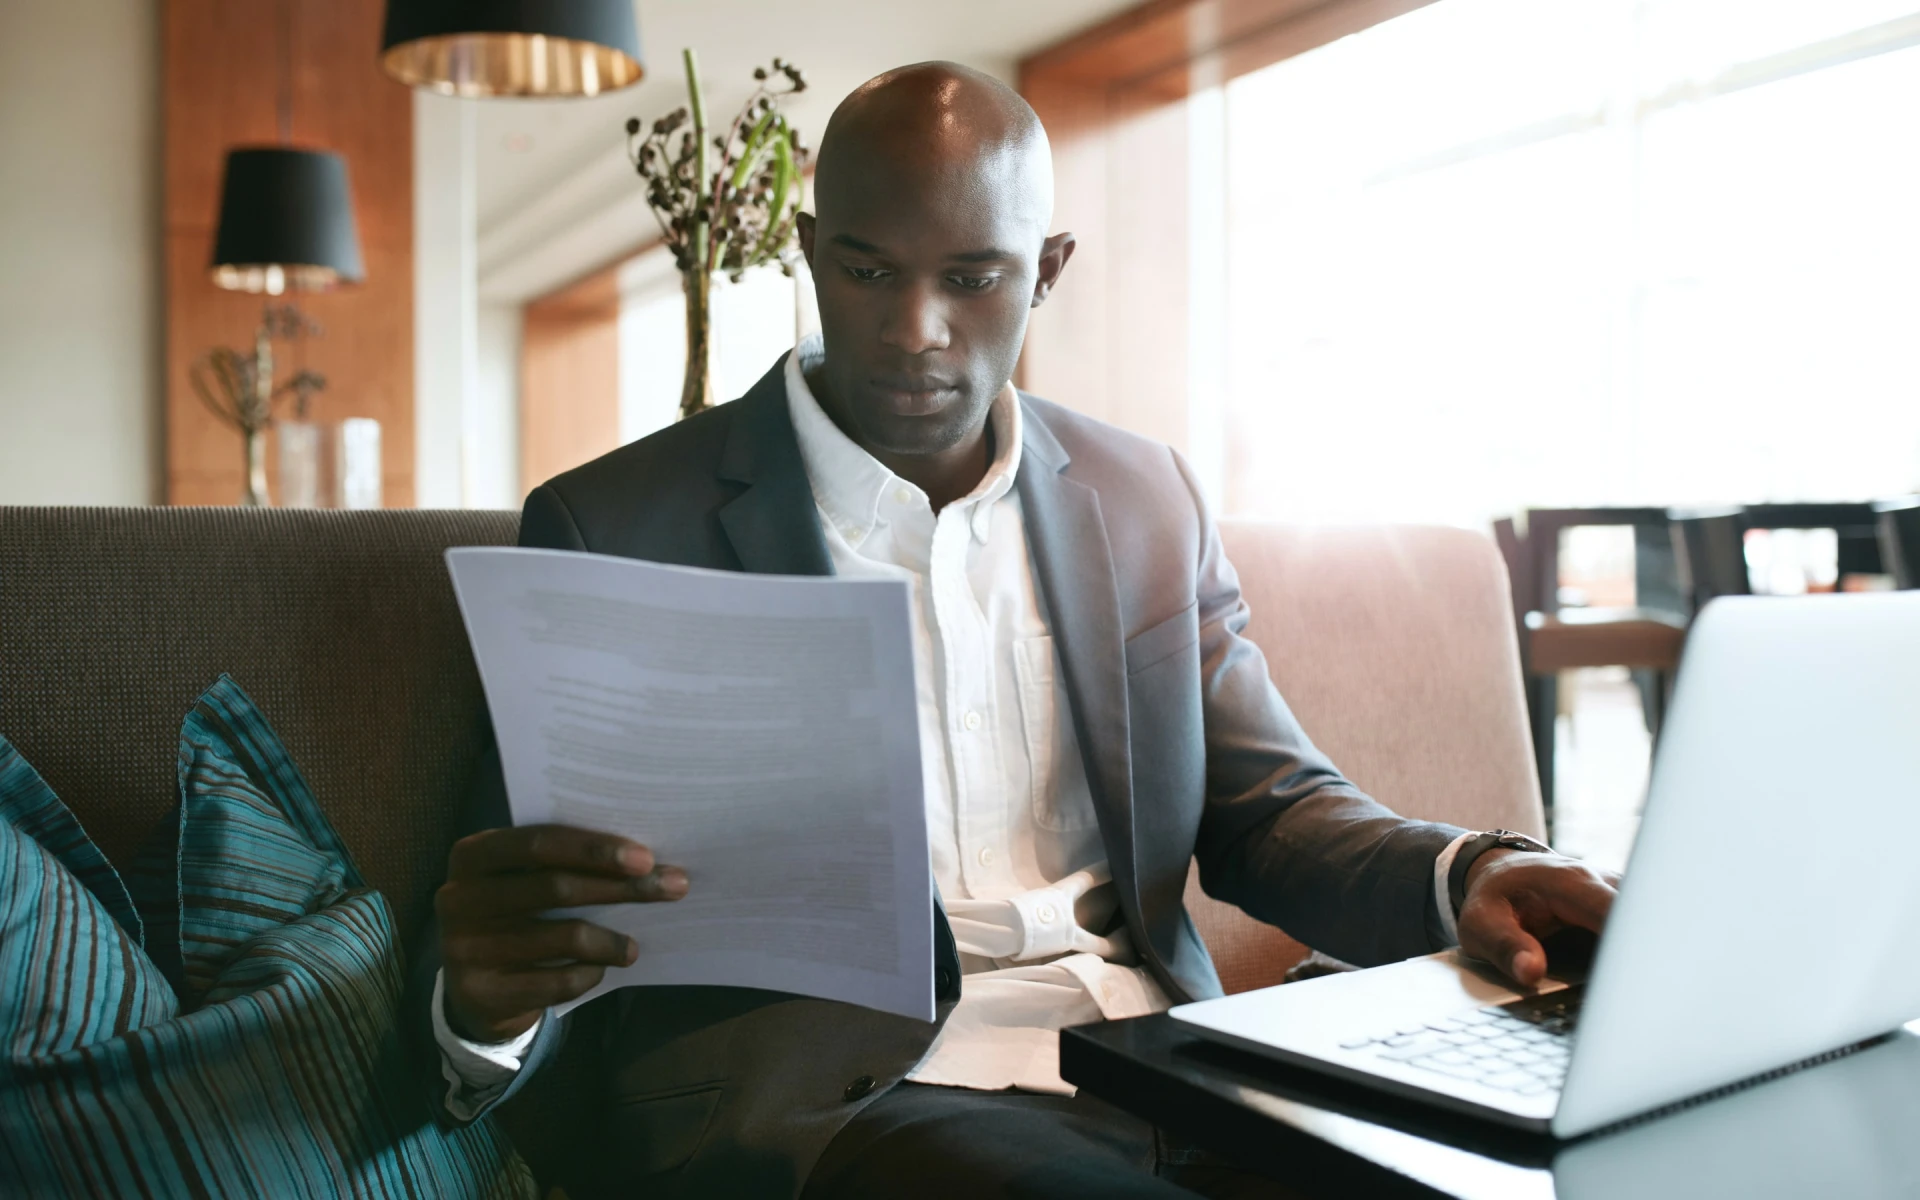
945,477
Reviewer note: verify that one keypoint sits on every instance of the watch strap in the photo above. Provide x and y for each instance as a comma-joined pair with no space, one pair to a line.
1471,850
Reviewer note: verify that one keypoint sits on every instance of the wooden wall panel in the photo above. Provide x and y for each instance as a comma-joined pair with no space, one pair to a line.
570,377
220,81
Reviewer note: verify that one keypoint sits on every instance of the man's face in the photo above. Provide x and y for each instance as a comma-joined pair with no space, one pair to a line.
925,277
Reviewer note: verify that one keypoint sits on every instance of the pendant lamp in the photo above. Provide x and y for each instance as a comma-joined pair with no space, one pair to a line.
286,214
513,47
286,222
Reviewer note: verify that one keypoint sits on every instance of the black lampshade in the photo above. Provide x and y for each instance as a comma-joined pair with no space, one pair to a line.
286,222
513,47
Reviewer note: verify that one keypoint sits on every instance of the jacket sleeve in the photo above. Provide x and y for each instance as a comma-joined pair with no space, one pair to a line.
545,523
1284,836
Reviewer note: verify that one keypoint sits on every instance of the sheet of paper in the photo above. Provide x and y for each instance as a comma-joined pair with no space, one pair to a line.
760,731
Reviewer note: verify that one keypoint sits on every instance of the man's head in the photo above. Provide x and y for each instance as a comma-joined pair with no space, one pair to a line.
929,246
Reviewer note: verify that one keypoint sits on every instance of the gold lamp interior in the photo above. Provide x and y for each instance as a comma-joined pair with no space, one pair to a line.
274,279
510,64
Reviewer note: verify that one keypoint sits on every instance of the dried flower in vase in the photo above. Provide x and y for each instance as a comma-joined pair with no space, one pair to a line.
725,204
238,389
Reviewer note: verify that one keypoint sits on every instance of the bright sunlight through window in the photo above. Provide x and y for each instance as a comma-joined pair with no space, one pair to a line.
1500,253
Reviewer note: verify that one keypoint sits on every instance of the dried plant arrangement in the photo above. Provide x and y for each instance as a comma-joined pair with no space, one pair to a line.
238,388
726,203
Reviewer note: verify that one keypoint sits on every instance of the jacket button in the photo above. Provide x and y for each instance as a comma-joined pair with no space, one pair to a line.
942,981
858,1089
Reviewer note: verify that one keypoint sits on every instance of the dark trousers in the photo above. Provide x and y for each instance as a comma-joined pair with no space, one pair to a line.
936,1143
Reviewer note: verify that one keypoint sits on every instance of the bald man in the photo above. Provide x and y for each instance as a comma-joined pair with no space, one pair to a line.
1091,718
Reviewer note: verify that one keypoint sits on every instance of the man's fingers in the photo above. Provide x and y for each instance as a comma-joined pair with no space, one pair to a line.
537,891
559,847
1492,933
1582,897
490,997
522,945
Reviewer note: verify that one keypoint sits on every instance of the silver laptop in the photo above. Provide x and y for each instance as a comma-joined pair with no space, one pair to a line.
1767,920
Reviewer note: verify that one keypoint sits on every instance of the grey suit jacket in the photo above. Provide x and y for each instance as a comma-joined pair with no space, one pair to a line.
1190,753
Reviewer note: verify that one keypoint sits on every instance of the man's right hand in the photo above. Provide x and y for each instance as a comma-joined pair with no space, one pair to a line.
504,961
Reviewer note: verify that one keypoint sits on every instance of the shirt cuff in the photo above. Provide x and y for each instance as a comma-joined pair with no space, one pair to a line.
476,1072
1442,902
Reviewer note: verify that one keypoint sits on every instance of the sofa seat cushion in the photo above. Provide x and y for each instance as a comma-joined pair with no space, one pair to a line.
256,1050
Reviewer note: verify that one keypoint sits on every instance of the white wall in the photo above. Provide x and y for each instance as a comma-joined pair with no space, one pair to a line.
80,257
493,413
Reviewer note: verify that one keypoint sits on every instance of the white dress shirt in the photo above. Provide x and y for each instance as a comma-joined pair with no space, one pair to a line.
1015,845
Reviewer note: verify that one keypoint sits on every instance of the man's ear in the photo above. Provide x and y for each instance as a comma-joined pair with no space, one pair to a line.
803,225
1054,253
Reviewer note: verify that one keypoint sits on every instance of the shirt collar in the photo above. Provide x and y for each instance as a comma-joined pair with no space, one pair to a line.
849,484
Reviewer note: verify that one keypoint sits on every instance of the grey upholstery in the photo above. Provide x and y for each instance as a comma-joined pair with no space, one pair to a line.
342,626
1395,646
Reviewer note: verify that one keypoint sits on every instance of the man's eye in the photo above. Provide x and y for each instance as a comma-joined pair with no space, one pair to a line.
866,274
973,283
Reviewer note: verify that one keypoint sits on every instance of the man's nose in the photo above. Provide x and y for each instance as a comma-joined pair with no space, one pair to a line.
917,321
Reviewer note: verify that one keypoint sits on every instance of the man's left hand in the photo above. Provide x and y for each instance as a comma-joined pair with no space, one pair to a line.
1515,898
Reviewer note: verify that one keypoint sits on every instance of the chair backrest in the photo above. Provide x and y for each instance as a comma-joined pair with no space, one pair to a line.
1709,544
341,626
1899,530
1395,646
1853,523
1537,550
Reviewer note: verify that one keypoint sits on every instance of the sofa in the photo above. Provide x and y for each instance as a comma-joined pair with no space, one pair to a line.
1395,645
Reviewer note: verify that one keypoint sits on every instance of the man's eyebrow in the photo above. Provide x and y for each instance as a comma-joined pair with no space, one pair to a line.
971,256
854,243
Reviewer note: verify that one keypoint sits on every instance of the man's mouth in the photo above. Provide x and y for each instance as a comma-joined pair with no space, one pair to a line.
913,395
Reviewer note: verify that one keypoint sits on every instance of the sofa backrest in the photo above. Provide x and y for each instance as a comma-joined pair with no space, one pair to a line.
1395,647
341,626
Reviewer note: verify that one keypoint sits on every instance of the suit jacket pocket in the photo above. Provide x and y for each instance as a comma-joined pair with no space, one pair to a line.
659,1131
1163,641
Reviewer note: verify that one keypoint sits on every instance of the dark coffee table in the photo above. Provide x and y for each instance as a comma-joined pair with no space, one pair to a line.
1849,1128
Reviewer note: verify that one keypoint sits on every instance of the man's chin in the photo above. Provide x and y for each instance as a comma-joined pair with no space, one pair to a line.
909,434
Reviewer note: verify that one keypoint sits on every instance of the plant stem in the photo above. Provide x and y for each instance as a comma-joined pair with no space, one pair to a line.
702,181
696,388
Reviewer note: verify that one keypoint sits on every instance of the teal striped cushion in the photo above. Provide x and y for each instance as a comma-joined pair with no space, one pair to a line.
279,1070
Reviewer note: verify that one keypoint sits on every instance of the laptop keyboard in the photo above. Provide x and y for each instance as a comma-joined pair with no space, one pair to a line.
1521,1047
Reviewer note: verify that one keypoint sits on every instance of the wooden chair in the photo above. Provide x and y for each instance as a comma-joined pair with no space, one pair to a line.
1645,638
1710,544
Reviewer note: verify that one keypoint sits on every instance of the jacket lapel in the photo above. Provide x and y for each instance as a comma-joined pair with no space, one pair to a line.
774,524
1074,563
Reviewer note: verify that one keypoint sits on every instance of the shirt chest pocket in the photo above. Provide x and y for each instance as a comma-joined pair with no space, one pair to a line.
1058,778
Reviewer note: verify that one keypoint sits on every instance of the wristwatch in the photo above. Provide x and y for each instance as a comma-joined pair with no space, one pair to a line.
1474,847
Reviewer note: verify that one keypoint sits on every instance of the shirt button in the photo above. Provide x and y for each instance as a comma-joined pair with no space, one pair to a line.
1045,914
858,1089
972,721
903,496
985,856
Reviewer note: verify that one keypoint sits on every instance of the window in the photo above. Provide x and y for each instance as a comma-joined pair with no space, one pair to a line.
1499,253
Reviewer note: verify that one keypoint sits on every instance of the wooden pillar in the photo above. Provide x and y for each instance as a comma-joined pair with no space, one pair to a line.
220,84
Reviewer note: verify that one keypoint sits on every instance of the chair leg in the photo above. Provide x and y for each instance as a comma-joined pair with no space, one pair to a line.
1543,710
1655,698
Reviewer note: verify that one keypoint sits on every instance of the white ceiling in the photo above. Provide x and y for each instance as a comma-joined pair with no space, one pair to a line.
527,147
